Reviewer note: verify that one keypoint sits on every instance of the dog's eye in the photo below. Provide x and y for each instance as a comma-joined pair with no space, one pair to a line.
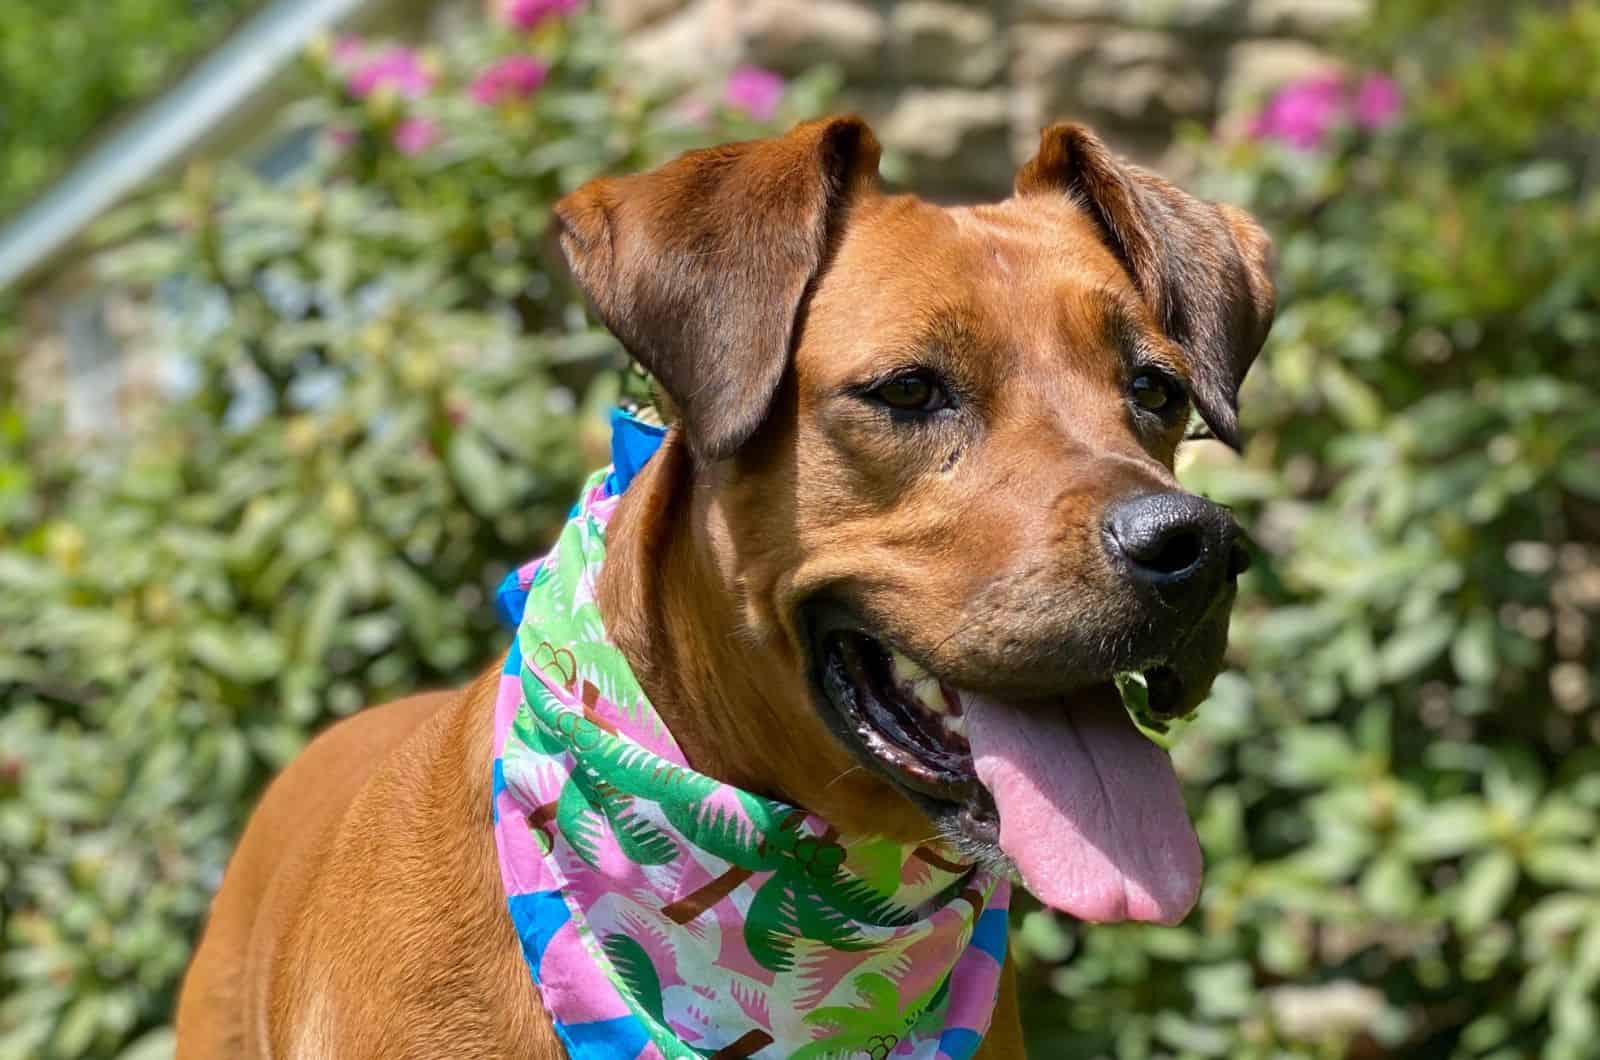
1156,392
912,392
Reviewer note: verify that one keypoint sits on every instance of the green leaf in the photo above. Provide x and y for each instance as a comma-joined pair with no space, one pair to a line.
633,965
241,654
1484,889
771,926
1389,887
1449,830
579,821
1408,651
1472,653
1580,473
479,473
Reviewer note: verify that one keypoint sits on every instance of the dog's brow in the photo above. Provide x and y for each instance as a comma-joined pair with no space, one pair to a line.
1125,335
939,333
1121,330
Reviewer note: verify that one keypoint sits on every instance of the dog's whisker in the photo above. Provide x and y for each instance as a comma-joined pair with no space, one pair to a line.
947,638
841,776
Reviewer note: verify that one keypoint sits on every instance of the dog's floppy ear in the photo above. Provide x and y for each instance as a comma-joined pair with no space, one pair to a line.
1202,267
700,267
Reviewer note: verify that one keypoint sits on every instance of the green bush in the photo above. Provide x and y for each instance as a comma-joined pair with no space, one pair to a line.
384,403
1399,789
67,66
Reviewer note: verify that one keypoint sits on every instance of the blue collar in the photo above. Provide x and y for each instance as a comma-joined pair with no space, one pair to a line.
633,443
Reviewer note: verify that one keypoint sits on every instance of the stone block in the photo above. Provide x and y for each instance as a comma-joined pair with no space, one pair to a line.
1076,9
944,42
1051,54
1214,15
795,35
1144,76
951,141
681,46
1306,18
1130,75
630,15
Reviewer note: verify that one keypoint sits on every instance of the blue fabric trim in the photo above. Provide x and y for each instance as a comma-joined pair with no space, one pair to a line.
510,600
989,934
633,443
622,1038
959,1043
513,666
538,916
499,786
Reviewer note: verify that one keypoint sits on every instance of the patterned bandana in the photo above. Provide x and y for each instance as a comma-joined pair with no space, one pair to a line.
668,916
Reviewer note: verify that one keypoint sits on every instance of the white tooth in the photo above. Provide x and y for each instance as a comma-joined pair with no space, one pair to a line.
906,672
956,723
930,695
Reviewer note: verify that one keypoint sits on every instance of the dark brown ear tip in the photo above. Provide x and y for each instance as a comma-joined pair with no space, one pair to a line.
1219,410
1065,148
850,142
1067,139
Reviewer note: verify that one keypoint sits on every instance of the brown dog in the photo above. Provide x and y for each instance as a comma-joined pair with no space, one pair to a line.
905,432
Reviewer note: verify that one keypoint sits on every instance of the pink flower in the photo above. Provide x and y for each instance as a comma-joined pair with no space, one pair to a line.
397,69
415,135
754,91
1378,102
342,137
514,77
529,14
1302,113
348,50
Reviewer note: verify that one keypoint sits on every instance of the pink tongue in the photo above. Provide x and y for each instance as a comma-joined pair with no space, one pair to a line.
1090,809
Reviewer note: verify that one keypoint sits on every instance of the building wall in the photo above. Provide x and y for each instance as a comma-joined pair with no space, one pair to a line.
957,91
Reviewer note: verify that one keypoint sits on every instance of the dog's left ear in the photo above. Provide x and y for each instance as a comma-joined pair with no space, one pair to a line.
700,267
1202,267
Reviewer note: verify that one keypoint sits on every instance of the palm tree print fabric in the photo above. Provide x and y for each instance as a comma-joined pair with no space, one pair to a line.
665,915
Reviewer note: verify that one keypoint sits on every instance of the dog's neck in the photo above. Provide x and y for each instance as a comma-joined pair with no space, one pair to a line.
677,621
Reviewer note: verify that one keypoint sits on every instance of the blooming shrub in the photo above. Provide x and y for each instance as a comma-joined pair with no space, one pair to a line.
384,405
385,396
1398,790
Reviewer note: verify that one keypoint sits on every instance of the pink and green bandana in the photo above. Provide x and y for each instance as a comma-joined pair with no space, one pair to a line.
665,915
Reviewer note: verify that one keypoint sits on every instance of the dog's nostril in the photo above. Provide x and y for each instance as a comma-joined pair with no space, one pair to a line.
1169,537
1172,553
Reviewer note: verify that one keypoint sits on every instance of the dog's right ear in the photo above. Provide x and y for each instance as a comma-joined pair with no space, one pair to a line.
700,267
1203,268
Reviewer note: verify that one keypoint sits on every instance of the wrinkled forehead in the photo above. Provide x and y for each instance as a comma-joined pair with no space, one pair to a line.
1008,278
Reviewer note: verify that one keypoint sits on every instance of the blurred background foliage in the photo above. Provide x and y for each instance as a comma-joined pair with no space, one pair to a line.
387,394
68,65
1398,787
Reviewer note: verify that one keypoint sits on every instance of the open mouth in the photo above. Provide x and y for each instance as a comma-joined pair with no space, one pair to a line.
915,723
1066,793
907,717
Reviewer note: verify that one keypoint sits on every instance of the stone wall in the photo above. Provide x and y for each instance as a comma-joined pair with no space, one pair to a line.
958,89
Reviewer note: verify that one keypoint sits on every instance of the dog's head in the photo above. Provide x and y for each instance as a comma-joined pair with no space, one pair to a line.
934,447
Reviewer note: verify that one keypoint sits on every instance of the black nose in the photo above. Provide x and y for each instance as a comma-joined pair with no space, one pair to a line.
1178,543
